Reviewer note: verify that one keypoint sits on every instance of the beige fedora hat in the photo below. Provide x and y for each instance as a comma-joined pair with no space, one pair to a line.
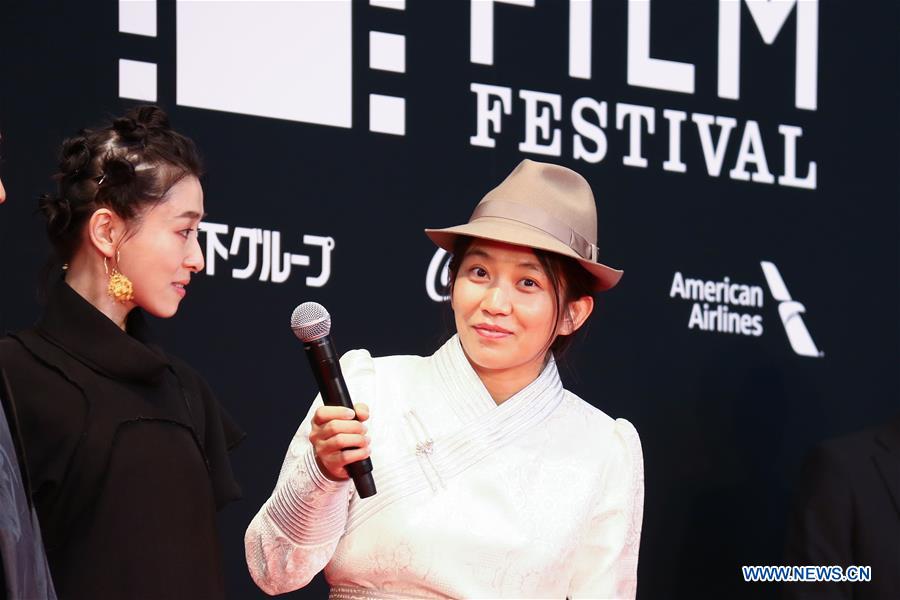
543,206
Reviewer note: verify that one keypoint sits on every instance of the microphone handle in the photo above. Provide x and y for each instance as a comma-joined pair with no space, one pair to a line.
327,369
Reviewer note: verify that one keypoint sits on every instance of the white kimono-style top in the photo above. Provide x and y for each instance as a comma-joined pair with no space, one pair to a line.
538,497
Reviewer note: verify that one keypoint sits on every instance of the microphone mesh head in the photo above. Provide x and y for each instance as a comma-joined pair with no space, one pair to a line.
310,321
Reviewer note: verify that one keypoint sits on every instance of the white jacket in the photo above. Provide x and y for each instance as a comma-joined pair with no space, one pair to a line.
539,497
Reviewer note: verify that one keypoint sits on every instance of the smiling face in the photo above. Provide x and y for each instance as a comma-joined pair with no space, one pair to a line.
504,308
163,251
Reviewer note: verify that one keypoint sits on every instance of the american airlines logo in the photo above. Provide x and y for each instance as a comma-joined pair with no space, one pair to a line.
790,312
735,308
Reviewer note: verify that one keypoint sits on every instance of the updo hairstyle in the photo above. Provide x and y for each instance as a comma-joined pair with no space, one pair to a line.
126,166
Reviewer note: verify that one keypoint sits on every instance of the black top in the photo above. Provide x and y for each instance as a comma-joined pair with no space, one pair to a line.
126,448
847,512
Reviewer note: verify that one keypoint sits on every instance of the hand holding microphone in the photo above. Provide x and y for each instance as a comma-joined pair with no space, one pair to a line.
338,438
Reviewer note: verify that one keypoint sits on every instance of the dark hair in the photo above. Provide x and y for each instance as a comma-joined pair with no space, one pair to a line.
569,281
126,166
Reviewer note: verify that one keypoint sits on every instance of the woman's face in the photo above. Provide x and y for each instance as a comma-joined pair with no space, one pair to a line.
161,255
503,306
2,193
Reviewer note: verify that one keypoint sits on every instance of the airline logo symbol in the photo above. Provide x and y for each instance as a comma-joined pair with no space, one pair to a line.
730,307
790,312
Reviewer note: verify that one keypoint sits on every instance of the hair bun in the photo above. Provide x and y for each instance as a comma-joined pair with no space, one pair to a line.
152,117
130,131
74,156
140,122
116,171
58,212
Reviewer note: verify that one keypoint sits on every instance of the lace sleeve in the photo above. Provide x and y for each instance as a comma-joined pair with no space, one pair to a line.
606,561
295,533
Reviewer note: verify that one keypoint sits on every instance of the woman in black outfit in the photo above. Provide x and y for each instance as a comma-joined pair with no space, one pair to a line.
126,446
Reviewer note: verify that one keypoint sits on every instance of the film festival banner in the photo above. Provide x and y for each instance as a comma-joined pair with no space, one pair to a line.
744,159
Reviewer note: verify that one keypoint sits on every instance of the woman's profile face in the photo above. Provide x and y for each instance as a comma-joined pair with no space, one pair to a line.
163,253
503,305
2,192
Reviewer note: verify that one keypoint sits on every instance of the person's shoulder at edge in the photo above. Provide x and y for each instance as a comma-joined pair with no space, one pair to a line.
839,456
595,418
361,358
861,441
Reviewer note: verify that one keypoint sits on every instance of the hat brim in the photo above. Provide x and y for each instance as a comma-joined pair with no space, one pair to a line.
520,234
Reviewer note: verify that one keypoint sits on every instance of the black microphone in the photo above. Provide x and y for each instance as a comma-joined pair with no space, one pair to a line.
311,323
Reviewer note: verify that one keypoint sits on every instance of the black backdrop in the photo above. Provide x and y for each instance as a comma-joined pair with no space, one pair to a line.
725,418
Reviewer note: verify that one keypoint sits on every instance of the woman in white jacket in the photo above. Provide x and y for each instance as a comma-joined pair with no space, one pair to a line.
493,480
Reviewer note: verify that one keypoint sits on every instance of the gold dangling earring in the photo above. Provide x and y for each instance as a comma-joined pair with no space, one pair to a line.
119,287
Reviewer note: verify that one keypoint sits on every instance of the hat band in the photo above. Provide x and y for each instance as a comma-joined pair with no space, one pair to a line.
537,218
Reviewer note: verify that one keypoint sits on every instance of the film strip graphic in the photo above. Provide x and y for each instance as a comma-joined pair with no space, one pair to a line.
387,52
281,60
137,78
